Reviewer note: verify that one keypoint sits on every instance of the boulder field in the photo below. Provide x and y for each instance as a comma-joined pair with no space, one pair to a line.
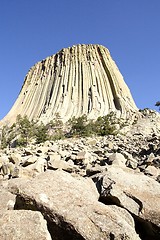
82,188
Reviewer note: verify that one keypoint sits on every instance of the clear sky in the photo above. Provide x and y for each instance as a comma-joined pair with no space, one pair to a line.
31,30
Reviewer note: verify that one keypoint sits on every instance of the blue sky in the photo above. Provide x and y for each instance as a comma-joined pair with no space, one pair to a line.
34,29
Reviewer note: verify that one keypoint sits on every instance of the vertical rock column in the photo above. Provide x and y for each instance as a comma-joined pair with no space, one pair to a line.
82,79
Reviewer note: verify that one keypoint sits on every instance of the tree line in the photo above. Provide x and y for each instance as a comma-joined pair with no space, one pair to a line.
24,131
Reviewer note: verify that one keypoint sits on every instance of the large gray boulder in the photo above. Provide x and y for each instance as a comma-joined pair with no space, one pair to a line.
23,225
70,206
34,169
7,199
117,159
137,193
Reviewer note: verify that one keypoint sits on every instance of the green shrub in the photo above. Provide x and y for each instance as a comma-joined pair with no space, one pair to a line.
104,126
83,127
80,126
41,133
7,135
55,128
25,130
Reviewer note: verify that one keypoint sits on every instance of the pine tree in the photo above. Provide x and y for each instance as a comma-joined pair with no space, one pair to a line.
25,130
41,133
158,104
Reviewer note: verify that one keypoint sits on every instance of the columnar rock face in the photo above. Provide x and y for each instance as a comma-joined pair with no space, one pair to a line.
79,80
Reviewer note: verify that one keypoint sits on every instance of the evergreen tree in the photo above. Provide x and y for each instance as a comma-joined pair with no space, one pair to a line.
41,133
158,104
105,125
7,135
81,126
55,128
25,130
77,125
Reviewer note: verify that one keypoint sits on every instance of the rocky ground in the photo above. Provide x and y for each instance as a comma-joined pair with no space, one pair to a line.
84,188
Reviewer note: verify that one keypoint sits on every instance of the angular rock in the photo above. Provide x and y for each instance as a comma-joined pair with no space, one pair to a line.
29,160
131,163
133,191
147,125
23,225
7,200
93,170
54,156
60,164
43,149
3,159
3,165
15,158
34,169
71,208
117,159
28,152
83,158
152,171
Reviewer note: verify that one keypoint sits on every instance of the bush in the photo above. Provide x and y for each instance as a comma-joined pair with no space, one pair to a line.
83,127
55,128
25,130
7,135
41,133
104,126
80,126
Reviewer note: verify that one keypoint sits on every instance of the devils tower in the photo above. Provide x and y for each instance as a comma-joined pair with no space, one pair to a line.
81,79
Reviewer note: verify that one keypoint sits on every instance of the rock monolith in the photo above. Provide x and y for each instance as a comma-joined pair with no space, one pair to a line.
78,80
